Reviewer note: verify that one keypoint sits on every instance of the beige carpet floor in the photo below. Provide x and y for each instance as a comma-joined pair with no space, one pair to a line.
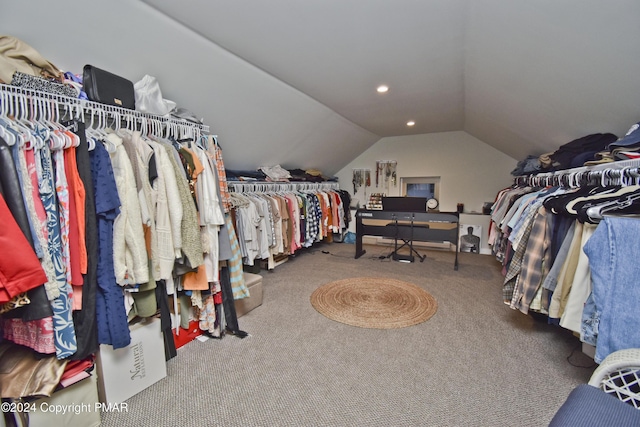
476,362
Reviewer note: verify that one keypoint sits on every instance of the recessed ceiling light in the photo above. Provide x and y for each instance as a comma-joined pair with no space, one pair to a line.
411,123
383,89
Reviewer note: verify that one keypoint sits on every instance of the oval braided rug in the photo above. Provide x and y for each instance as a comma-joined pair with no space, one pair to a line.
374,302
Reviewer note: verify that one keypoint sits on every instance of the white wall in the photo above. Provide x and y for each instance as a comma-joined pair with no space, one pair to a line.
470,171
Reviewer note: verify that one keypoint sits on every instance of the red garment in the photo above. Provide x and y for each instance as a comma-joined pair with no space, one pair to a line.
74,233
20,269
217,298
76,366
35,334
79,195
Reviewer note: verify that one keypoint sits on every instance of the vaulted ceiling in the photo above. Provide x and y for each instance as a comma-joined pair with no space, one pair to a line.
338,52
294,82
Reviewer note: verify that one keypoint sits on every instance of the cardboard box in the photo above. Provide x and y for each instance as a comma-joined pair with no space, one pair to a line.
254,284
127,371
74,406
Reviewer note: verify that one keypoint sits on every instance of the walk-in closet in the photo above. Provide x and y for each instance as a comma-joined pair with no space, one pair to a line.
414,213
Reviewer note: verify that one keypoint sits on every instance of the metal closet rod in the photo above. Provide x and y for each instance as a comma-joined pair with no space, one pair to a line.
241,187
89,107
622,172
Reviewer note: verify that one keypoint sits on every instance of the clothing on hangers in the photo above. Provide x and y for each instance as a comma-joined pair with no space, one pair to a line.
297,216
101,203
543,236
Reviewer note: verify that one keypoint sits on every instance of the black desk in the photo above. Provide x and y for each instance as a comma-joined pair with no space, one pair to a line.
382,223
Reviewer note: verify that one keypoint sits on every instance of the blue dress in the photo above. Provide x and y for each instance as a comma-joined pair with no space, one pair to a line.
113,327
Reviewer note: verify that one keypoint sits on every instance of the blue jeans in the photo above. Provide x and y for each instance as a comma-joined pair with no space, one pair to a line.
611,312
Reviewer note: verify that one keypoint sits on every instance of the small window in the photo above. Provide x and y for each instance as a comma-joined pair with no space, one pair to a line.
421,187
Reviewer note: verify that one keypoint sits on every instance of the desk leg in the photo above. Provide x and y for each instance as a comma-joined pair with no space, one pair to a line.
359,250
455,265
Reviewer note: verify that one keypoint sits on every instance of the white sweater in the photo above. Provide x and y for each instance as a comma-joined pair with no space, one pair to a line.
168,213
129,250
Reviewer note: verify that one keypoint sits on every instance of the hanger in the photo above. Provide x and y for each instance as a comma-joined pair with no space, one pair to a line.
41,132
597,212
130,121
600,193
59,140
214,138
106,140
8,138
5,113
68,137
95,130
201,142
633,176
21,126
156,126
74,115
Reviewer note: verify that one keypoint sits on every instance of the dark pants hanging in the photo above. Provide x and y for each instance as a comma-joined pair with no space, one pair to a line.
165,320
228,304
85,320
